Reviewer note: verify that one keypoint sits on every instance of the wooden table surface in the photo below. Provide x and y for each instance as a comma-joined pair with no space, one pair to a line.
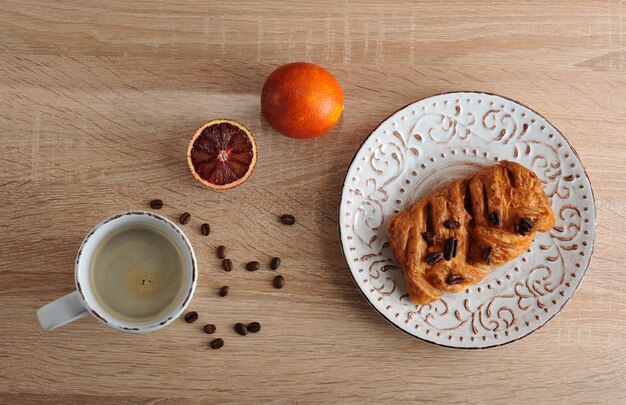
98,101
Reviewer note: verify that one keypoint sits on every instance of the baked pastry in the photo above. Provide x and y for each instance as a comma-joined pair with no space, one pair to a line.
454,237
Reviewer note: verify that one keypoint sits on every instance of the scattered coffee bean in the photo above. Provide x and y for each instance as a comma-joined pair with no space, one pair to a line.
227,265
448,247
241,329
217,343
429,237
455,246
451,224
191,317
205,229
275,263
184,218
254,327
221,251
494,217
434,258
224,291
156,204
288,219
209,329
253,266
279,281
454,279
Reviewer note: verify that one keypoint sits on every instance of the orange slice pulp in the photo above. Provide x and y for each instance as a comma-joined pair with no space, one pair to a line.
222,154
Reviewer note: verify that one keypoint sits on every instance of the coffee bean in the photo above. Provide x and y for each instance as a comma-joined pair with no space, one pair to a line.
448,246
205,229
224,291
279,281
494,217
253,266
217,343
156,204
241,329
454,279
227,265
221,251
184,218
451,224
191,317
288,219
275,263
524,226
527,222
254,327
209,329
433,258
487,253
429,237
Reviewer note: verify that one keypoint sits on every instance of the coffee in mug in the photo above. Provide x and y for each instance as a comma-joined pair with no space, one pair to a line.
135,272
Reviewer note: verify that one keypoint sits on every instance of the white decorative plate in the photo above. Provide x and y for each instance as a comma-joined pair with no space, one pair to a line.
424,146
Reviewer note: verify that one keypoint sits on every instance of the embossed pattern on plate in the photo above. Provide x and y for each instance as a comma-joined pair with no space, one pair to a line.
424,146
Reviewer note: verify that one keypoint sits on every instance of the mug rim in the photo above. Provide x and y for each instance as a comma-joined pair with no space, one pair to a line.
165,319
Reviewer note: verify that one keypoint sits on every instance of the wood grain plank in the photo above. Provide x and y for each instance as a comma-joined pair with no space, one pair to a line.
98,100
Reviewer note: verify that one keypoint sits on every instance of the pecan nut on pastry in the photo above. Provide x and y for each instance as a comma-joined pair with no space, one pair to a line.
454,237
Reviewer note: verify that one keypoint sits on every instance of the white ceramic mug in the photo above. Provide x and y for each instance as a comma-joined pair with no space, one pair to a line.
82,302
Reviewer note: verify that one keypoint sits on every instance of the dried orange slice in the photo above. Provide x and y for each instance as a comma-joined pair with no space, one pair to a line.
222,154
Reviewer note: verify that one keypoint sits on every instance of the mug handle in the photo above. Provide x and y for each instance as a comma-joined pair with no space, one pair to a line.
61,311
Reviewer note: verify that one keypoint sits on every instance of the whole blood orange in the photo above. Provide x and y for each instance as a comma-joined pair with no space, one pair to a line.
222,154
301,100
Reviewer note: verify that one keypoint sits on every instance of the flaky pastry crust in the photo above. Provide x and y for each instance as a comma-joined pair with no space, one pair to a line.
454,237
